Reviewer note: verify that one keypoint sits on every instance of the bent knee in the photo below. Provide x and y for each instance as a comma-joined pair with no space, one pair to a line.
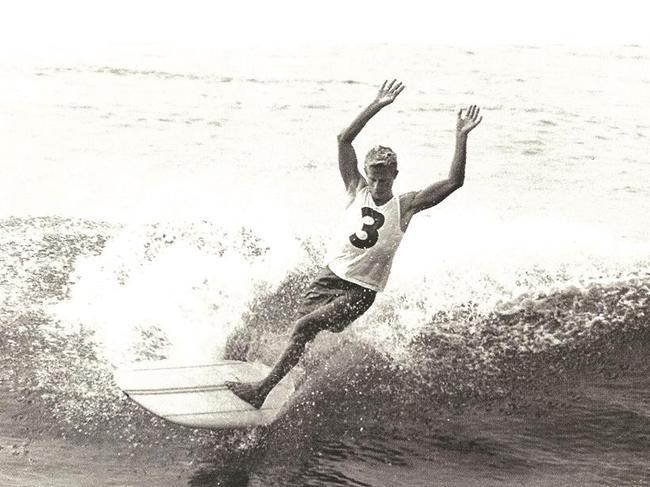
306,330
335,316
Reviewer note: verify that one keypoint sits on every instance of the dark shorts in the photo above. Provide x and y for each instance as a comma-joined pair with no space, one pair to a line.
327,288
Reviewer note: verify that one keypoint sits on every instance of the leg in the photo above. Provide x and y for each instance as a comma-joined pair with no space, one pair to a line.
335,316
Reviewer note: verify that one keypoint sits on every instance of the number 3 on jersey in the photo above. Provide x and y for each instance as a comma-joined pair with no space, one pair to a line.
368,235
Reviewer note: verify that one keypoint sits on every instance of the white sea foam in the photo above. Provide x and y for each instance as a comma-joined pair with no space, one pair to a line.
191,284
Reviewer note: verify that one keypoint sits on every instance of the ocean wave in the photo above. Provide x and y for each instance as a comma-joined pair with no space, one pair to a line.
507,355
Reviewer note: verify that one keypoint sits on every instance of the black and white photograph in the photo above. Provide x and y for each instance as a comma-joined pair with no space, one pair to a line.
361,244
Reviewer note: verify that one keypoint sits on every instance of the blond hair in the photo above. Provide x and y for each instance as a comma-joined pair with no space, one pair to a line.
381,156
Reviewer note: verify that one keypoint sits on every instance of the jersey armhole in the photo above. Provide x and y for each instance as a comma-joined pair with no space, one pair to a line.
357,194
399,213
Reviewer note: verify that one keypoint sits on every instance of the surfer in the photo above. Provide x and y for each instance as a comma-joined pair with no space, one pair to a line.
373,225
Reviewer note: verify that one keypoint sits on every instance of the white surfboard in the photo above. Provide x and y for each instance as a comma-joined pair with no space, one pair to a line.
196,395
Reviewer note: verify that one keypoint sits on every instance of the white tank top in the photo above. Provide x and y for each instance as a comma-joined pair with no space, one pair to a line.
364,245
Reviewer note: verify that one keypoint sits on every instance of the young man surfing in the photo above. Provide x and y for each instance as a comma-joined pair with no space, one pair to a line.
373,225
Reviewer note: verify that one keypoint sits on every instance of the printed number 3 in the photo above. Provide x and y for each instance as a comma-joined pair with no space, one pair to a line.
368,235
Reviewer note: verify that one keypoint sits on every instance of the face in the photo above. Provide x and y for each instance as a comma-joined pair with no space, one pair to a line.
380,181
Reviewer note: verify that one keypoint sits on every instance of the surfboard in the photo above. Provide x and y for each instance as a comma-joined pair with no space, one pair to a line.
196,395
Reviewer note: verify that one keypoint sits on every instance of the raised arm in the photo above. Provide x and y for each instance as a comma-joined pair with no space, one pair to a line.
348,165
417,201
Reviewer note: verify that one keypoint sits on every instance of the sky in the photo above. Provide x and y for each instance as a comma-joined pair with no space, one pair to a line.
31,25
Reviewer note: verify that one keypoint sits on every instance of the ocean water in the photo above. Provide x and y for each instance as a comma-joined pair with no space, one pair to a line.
164,202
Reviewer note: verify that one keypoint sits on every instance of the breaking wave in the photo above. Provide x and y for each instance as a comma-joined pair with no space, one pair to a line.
79,297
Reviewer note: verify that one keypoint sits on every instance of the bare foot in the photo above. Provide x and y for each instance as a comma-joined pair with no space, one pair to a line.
248,392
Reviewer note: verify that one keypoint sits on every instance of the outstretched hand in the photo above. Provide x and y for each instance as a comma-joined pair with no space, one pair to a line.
387,94
467,122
